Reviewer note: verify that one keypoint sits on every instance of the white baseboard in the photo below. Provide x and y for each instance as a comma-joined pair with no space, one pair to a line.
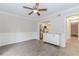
9,38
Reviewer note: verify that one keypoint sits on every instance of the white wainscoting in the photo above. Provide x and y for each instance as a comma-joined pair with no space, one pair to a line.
54,38
9,38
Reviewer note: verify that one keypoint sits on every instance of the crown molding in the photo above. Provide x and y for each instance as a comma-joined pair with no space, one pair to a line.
15,15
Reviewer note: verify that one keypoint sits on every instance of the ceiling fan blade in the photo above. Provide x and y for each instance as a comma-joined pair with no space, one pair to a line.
30,13
42,9
38,13
27,7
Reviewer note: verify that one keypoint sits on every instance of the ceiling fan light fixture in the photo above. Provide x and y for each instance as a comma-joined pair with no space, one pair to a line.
35,11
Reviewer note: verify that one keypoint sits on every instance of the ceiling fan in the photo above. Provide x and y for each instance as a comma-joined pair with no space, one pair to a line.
35,9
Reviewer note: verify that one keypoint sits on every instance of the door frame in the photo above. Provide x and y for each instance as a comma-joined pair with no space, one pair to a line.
68,29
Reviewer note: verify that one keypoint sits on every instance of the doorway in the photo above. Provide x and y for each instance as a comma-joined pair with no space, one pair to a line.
44,28
72,31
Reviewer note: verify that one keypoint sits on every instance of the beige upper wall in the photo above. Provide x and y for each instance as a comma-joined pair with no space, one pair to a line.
9,23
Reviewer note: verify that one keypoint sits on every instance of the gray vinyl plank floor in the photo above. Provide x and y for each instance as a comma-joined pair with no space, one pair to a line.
32,48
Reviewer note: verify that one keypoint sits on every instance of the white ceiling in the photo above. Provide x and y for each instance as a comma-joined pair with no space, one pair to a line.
16,8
